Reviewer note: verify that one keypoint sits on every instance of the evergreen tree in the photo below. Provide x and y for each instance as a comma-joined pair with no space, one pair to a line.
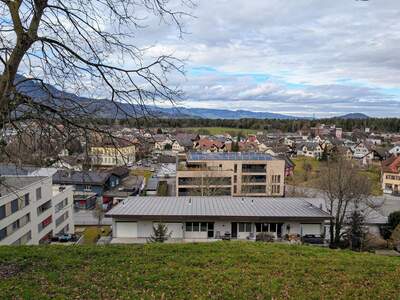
160,234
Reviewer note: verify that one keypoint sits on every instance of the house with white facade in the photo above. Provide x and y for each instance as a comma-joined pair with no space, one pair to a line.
32,209
310,149
197,219
362,152
395,150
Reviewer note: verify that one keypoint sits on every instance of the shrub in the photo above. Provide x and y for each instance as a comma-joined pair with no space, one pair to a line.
374,242
265,237
394,219
395,238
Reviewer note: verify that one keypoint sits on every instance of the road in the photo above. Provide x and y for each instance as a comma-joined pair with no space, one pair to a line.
85,217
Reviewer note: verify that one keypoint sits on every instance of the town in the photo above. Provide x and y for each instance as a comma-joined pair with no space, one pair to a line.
204,187
187,149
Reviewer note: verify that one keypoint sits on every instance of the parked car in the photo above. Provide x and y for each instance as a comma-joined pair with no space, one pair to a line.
312,239
65,238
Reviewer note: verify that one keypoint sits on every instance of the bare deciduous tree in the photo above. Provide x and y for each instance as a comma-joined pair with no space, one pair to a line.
346,191
86,47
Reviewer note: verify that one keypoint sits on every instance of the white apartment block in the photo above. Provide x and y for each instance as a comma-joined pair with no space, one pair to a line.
32,210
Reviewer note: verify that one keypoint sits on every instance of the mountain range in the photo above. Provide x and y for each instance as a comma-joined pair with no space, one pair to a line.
104,108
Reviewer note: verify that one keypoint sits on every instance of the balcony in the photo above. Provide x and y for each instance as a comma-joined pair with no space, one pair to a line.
254,189
254,169
250,179
46,222
44,207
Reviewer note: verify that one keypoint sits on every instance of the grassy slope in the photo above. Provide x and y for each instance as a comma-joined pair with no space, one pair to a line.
218,270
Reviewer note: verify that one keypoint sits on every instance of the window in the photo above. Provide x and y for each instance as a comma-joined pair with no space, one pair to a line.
62,218
235,178
276,189
2,212
276,178
26,197
14,206
198,226
235,168
3,233
59,206
38,193
244,227
234,189
15,225
42,208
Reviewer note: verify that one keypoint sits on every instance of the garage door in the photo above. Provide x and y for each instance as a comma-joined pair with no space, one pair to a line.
126,230
175,228
311,229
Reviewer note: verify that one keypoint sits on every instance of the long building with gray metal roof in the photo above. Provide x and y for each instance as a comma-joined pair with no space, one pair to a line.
209,218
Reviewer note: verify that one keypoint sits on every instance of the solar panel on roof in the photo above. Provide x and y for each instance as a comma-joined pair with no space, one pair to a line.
228,156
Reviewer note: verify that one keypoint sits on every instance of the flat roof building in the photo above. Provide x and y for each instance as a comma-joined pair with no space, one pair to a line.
230,174
32,209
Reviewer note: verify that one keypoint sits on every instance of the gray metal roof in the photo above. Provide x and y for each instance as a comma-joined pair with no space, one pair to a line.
228,156
224,206
80,177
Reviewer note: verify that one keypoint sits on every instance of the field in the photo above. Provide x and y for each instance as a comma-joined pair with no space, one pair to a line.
220,130
311,178
222,270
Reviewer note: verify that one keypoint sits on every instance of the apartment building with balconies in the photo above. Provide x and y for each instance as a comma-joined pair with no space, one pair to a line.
230,174
32,209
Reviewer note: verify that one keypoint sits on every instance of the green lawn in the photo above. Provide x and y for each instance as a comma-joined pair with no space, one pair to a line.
221,130
91,232
223,270
303,178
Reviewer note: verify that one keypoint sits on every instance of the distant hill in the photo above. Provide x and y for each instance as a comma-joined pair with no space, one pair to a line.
106,109
354,116
210,113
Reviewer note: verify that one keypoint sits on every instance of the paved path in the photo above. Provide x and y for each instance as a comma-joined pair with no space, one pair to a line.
85,217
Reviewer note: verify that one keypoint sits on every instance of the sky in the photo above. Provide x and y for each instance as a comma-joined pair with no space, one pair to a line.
298,57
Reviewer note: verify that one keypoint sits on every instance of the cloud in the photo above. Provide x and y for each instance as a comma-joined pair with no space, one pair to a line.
303,56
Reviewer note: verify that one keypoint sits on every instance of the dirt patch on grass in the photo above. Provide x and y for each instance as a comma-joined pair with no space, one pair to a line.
8,270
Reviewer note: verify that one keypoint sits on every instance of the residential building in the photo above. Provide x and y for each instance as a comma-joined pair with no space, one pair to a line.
185,141
209,145
115,152
395,150
196,219
87,183
230,173
361,151
391,175
162,142
310,149
32,210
